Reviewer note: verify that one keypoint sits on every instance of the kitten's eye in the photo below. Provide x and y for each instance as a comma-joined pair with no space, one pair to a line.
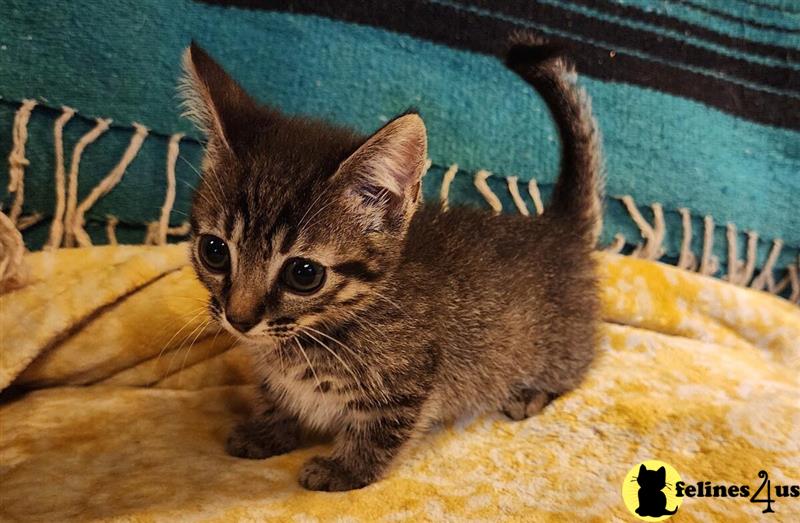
214,253
303,276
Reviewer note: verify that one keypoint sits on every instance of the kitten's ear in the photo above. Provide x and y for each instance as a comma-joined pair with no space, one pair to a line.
385,173
642,469
662,472
212,99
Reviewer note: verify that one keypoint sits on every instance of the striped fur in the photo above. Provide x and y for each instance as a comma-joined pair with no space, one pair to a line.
425,314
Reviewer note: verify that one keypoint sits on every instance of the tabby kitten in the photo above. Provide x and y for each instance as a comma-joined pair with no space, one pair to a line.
371,317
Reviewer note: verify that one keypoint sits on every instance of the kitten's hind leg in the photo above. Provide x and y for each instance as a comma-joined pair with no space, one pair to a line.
270,433
526,402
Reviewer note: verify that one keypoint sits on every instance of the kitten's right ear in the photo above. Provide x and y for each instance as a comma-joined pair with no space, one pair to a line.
212,99
384,175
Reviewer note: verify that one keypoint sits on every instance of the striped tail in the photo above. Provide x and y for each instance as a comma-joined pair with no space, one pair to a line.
578,193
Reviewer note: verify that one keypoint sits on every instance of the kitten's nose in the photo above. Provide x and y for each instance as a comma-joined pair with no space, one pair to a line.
241,324
244,307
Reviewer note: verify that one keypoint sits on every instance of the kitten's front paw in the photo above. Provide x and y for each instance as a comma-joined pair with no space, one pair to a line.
256,439
329,475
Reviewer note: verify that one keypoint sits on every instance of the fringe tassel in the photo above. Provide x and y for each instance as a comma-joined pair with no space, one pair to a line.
17,161
765,278
486,191
106,184
111,229
151,235
513,188
653,235
72,190
709,264
794,280
181,230
173,149
533,190
13,273
30,220
447,179
739,272
617,244
686,259
57,226
67,227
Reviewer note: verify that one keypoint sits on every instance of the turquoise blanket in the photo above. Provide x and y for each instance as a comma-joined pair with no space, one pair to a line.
698,101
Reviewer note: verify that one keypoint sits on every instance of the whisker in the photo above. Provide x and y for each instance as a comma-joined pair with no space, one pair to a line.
300,223
280,358
355,355
201,195
333,353
189,349
318,211
199,174
193,298
161,352
310,366
216,334
374,386
197,328
279,350
306,327
210,173
354,316
192,167
169,327
389,301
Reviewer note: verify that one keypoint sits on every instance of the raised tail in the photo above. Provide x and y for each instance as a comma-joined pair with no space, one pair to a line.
578,192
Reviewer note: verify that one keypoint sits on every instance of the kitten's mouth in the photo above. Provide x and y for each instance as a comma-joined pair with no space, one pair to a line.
265,333
263,336
283,336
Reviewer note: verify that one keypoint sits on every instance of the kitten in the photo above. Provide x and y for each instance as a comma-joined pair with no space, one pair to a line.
652,501
371,317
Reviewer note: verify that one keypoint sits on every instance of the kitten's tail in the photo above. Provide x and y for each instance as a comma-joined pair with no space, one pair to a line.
578,192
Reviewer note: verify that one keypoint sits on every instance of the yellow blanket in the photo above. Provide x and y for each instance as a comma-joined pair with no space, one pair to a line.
118,395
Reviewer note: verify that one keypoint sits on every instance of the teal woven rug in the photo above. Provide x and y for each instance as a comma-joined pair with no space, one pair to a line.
698,101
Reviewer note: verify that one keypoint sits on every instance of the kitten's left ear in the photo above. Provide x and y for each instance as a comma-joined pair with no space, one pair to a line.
385,173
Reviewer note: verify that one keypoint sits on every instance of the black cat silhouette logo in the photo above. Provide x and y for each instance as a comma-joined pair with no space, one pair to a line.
649,490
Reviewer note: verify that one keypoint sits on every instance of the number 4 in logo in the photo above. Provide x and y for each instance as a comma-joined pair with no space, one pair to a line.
768,500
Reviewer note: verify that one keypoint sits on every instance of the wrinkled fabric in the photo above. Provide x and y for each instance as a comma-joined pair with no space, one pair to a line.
119,393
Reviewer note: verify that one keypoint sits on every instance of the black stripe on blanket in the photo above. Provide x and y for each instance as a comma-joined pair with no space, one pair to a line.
677,25
762,93
736,19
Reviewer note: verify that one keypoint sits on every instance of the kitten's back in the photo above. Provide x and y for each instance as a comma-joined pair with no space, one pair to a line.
512,296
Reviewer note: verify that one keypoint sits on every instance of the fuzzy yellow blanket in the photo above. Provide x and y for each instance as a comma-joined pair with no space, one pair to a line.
118,395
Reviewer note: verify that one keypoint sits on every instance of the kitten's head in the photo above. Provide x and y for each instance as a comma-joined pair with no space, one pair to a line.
652,479
295,223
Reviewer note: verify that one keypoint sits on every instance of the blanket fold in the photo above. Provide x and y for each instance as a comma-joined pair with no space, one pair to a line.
118,394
